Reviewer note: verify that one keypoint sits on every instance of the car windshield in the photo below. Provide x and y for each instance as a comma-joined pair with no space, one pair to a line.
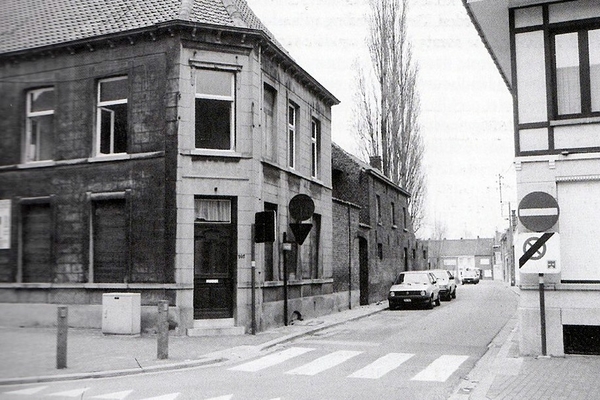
412,278
440,274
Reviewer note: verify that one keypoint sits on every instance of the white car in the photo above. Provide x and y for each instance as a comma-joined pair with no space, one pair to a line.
446,282
414,288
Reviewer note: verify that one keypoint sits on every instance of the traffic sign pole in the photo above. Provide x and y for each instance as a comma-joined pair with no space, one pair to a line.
542,314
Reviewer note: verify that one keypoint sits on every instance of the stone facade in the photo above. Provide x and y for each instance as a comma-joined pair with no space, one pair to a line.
173,213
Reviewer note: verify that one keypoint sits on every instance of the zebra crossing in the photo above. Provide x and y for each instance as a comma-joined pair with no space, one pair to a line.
437,371
78,393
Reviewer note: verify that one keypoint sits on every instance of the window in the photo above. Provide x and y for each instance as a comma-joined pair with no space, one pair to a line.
213,211
110,241
378,208
112,116
292,123
269,123
404,218
316,148
215,106
39,127
393,209
310,250
36,243
271,260
577,72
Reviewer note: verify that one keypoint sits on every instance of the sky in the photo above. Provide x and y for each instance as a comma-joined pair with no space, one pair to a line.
466,109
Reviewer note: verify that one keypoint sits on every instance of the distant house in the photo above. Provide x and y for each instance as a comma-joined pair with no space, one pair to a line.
138,141
458,254
371,218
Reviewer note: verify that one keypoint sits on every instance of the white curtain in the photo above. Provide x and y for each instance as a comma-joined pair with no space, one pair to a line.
212,210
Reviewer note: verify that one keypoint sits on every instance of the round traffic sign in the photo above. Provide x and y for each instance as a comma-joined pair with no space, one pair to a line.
538,211
539,254
301,207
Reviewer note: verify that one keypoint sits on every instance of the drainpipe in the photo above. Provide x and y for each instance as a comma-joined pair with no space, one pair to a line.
349,262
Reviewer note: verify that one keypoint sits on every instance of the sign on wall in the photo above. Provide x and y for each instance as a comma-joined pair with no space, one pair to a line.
5,224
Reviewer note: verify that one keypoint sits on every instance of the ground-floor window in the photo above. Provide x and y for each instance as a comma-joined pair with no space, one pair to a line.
36,243
110,241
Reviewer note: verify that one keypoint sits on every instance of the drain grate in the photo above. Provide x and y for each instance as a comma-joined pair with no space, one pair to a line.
581,339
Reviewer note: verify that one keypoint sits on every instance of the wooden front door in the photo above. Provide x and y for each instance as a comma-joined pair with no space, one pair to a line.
214,258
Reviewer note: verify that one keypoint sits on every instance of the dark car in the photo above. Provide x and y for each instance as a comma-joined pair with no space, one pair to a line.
414,288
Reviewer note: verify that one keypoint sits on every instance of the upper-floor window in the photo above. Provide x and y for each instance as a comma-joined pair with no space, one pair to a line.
316,148
393,210
577,70
39,126
269,123
292,124
215,109
378,209
111,127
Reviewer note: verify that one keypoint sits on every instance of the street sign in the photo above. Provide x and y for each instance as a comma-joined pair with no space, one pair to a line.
300,232
538,253
301,207
538,211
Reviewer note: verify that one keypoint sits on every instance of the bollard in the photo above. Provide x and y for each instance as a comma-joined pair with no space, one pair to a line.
163,330
62,324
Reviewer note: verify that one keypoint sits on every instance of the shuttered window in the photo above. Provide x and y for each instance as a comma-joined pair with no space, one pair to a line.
110,241
36,243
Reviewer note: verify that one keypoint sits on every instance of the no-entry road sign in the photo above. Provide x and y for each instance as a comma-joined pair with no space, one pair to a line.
538,211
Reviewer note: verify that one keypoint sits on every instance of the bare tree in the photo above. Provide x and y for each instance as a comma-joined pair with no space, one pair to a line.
387,103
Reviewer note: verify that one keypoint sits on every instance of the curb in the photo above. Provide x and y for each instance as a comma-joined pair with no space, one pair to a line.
179,365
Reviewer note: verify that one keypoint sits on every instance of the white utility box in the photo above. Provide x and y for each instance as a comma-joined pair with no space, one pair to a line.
121,313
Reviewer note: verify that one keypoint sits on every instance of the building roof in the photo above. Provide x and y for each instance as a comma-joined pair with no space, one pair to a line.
29,24
39,25
460,247
337,151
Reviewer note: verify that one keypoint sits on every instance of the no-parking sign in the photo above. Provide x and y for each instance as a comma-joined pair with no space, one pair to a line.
538,253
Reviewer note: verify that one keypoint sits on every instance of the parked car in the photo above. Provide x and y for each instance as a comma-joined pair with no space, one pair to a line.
470,275
414,288
446,282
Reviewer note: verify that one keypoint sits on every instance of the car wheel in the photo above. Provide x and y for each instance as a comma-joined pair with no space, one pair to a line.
454,294
430,303
449,296
437,302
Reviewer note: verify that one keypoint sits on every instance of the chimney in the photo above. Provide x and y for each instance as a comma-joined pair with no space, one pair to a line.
375,162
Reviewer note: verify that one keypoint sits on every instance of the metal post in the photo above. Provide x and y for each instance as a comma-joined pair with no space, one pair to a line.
62,324
162,346
542,313
253,281
285,283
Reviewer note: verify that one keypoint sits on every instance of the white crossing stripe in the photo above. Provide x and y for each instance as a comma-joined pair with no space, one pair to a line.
32,390
171,396
227,397
440,369
382,366
323,363
271,359
114,396
71,393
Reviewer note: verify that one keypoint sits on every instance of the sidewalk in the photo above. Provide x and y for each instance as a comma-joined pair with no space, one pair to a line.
29,354
502,374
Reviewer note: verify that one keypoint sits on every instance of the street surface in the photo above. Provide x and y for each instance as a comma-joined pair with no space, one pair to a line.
406,354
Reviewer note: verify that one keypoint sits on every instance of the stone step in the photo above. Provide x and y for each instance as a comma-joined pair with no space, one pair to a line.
223,331
215,327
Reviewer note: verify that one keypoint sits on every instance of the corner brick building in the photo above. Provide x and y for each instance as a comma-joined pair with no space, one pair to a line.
138,141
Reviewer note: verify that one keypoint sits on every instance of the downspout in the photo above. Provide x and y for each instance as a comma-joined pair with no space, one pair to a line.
349,261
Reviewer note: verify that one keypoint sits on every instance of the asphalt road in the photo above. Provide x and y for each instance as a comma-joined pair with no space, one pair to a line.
407,354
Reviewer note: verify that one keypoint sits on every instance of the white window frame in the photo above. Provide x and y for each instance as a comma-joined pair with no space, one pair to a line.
27,156
292,119
230,99
100,107
315,147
